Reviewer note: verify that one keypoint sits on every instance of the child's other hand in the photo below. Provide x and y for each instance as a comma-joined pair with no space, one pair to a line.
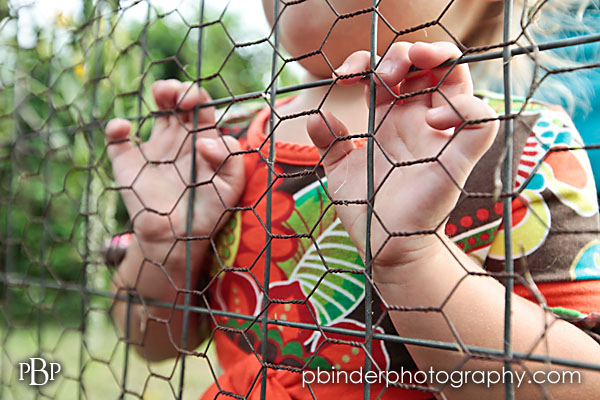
409,198
154,177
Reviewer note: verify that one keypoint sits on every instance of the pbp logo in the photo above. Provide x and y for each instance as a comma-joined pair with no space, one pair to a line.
38,368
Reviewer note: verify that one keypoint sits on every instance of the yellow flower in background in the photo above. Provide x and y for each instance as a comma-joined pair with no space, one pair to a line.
79,71
63,21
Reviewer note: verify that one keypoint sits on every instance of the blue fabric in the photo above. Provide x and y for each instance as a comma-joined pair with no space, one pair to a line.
584,84
589,128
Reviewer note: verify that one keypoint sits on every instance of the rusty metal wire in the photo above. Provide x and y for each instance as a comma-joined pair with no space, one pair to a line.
269,285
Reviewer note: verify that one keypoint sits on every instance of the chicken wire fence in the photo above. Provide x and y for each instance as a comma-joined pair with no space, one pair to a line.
65,226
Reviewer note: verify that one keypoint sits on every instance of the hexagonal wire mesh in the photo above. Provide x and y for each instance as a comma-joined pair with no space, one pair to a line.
295,276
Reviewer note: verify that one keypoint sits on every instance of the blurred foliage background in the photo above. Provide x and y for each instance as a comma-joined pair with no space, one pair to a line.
62,77
57,93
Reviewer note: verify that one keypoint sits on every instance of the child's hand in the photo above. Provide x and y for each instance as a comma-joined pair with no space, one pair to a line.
409,198
154,177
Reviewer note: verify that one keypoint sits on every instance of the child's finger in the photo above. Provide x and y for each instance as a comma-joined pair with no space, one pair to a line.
341,163
391,70
474,138
166,93
217,152
415,83
456,78
117,133
395,64
189,96
356,62
324,130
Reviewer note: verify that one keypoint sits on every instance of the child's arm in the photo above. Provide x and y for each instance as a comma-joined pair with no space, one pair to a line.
425,270
154,180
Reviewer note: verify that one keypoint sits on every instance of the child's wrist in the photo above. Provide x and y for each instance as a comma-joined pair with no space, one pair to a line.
172,253
416,253
146,265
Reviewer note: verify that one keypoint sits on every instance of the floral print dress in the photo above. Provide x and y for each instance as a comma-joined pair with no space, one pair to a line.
316,275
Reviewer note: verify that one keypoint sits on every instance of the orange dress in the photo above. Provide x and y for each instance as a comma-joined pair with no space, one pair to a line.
316,275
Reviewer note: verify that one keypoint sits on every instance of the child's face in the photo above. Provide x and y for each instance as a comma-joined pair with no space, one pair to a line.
304,27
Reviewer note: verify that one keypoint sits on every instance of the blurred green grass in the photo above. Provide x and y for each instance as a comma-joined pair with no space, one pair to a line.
99,374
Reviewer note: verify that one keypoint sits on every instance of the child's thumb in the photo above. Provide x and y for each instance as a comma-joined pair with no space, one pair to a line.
220,154
476,125
329,135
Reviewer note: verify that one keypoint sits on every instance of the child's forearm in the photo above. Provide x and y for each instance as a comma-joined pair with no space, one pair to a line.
149,274
475,308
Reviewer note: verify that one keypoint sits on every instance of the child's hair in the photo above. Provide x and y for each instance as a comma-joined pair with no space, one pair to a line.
536,22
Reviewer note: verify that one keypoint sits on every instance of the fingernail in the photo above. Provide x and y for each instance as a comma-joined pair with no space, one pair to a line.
437,112
207,143
343,69
386,67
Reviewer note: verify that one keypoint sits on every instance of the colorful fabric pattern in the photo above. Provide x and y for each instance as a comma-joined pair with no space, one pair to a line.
557,195
316,273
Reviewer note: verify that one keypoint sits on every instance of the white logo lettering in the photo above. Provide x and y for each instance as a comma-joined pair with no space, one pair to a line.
31,368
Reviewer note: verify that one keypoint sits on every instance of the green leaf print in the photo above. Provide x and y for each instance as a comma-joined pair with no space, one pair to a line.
319,362
313,213
334,294
228,243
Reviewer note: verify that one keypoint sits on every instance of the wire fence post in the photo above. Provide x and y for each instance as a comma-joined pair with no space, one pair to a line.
190,215
507,200
370,202
88,133
269,205
32,276
140,116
